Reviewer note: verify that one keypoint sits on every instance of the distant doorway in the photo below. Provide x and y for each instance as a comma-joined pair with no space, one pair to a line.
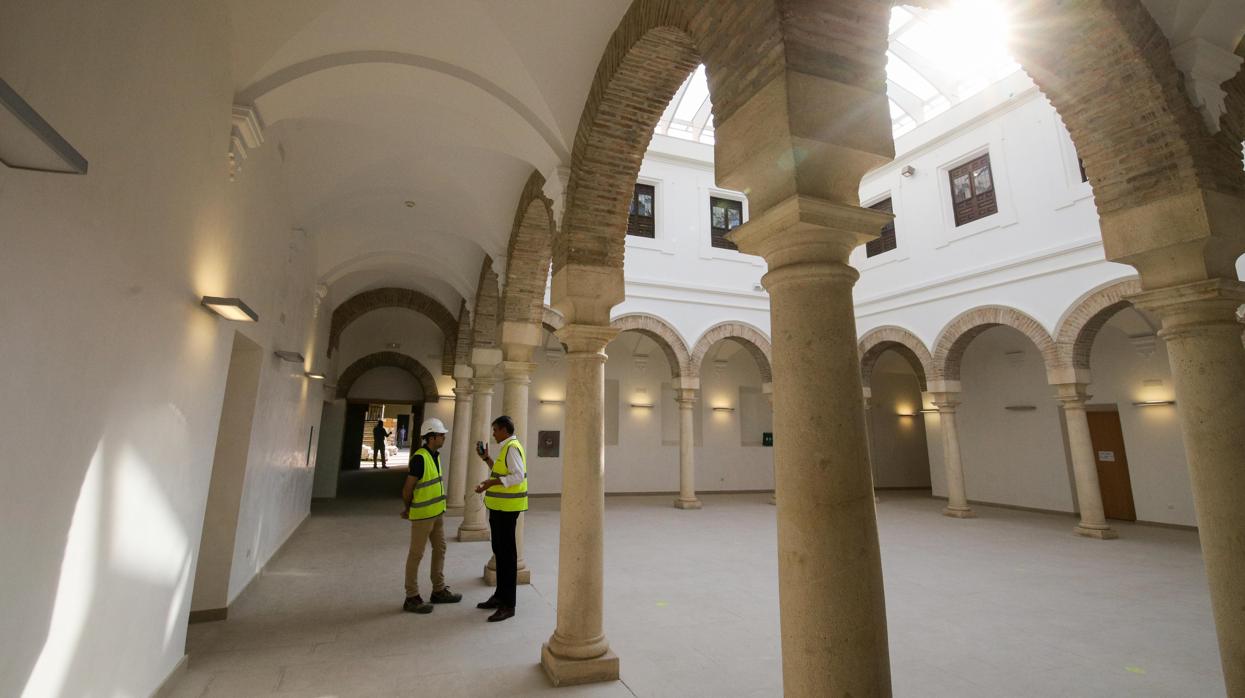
1108,439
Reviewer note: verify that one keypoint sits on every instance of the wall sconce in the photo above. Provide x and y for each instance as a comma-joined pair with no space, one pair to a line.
447,397
1153,403
928,410
642,405
230,308
1021,408
291,356
553,402
907,171
906,414
27,142
724,409
313,375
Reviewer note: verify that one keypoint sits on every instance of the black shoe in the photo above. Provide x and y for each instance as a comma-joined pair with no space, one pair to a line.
502,613
414,604
445,596
489,605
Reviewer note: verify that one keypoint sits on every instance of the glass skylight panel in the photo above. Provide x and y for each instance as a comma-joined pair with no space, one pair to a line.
695,95
906,77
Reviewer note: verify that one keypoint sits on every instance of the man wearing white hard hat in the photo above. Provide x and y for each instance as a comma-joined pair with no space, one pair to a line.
424,498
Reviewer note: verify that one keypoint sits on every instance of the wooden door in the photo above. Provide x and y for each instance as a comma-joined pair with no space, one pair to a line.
1108,439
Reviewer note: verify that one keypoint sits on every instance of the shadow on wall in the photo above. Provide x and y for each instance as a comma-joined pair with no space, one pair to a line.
127,563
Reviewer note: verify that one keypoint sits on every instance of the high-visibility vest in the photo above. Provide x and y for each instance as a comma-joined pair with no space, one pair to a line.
429,498
512,498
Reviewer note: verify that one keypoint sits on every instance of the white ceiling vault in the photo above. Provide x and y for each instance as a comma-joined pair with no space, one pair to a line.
409,127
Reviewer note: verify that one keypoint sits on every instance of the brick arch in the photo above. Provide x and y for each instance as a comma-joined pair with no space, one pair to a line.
961,331
388,358
367,301
752,339
666,337
1074,338
487,315
462,350
1107,68
529,254
892,338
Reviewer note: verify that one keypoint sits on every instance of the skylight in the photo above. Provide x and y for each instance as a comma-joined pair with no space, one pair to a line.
936,59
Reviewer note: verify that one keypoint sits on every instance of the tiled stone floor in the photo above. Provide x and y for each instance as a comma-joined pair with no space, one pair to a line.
1009,604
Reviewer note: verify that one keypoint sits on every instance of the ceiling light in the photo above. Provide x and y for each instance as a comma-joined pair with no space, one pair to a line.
291,356
27,142
393,345
908,171
230,308
315,376
408,203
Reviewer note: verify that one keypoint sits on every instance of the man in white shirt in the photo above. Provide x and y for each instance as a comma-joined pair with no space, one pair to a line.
505,496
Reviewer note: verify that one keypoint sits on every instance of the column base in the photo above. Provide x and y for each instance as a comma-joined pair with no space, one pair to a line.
570,672
524,576
454,511
1107,533
964,513
472,536
687,504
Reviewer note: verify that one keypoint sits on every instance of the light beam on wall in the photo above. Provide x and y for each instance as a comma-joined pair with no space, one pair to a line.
27,142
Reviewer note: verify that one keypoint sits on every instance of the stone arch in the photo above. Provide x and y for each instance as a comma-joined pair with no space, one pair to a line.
367,301
1074,338
903,342
752,339
1108,70
388,358
668,338
529,254
960,332
551,320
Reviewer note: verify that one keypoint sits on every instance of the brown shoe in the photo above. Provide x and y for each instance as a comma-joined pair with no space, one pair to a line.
489,605
414,604
445,596
502,613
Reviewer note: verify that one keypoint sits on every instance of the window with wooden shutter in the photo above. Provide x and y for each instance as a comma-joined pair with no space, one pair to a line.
725,215
641,217
885,242
1081,164
972,191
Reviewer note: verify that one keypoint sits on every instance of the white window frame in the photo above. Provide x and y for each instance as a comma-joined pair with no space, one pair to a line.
1006,216
861,259
705,227
1073,190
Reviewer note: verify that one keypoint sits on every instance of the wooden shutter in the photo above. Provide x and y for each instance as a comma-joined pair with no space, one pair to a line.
643,212
724,216
886,242
972,191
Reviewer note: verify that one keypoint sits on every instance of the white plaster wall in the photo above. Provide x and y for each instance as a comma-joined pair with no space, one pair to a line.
99,287
386,383
329,449
1157,466
419,337
897,442
1011,457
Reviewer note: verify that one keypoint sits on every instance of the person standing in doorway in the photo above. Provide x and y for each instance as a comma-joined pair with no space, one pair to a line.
378,444
505,496
424,497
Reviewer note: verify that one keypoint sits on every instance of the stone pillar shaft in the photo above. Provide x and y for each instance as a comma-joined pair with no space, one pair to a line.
833,611
475,520
957,496
687,442
1208,373
460,447
578,651
1084,468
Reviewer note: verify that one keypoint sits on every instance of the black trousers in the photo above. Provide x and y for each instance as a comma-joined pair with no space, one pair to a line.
502,524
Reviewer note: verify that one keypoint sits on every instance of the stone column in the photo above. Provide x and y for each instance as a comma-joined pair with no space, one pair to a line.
1084,468
957,498
767,389
514,403
578,652
475,519
1207,360
873,466
834,638
460,442
686,398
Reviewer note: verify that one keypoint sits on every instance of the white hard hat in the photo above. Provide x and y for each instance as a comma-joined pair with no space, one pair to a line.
433,426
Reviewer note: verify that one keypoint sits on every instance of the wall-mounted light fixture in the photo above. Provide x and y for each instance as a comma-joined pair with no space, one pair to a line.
447,397
908,171
642,405
553,402
1021,408
230,308
1153,403
27,142
314,375
928,410
291,356
906,414
724,409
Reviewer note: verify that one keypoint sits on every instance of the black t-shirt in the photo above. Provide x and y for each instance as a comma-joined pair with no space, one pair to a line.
417,463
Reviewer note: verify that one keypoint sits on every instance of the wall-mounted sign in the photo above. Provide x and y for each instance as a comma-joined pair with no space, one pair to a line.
1106,456
767,438
547,444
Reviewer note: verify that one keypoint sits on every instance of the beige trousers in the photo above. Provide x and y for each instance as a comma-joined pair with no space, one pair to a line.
421,532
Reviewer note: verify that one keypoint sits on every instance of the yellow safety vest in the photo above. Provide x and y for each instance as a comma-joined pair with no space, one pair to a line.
429,498
513,498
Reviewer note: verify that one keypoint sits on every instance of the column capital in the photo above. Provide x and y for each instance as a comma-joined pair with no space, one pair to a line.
686,397
945,401
867,393
805,229
1196,307
463,372
686,383
519,340
518,371
1072,394
586,339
